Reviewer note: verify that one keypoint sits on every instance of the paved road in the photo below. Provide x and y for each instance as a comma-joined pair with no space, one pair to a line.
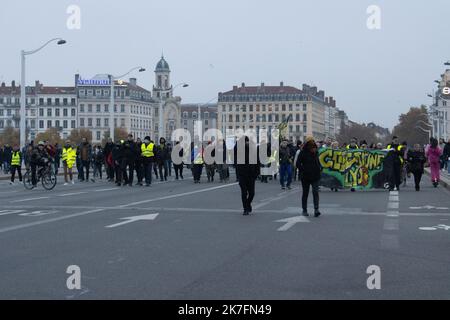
199,246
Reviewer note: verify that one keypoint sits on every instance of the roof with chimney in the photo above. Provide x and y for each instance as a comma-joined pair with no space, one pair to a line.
38,88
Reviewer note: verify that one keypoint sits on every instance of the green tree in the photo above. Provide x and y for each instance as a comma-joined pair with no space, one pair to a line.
413,125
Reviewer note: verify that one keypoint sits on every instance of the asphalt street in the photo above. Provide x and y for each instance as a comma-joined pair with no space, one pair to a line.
180,240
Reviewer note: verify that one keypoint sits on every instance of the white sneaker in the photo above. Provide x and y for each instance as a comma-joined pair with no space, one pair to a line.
66,184
73,182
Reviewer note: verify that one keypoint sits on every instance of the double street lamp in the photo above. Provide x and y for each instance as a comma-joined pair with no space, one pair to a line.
23,100
112,80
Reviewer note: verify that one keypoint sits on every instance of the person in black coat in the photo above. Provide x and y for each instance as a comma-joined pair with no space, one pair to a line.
247,172
416,160
129,158
310,172
117,157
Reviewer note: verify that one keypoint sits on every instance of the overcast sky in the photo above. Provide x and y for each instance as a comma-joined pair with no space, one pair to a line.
374,74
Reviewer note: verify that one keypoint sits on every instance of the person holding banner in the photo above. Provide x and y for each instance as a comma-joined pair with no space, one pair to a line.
310,173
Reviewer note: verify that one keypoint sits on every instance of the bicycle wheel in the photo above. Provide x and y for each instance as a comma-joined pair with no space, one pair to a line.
27,182
48,180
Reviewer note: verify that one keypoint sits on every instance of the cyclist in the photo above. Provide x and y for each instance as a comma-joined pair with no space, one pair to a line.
39,158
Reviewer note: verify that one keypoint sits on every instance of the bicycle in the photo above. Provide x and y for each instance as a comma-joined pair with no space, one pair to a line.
45,174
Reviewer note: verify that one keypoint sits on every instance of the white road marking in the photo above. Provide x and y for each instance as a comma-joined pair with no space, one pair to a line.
32,224
7,212
147,217
70,194
290,222
178,195
393,205
104,190
391,224
393,198
31,199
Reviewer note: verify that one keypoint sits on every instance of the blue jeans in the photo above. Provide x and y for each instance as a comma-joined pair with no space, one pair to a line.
285,175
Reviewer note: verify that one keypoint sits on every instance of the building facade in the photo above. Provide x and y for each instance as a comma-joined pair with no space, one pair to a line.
440,109
190,118
133,109
264,107
46,107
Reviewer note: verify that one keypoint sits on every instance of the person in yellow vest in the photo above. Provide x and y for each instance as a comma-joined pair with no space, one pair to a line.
69,157
148,159
353,144
16,164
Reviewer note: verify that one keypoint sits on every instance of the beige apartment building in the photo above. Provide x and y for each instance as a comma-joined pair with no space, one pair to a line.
264,107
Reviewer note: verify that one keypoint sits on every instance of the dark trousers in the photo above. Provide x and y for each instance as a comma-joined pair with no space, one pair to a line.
127,177
118,173
164,164
197,171
417,178
169,167
98,169
178,170
247,185
155,170
139,170
148,166
34,167
84,168
13,172
395,177
110,172
315,191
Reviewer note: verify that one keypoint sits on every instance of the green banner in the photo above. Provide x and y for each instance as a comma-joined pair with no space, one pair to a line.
359,169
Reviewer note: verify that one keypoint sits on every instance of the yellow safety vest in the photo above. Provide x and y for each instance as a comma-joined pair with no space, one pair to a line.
348,147
399,148
15,160
199,158
69,155
147,151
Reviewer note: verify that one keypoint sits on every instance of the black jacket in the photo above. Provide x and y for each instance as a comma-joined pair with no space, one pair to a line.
118,153
446,152
246,169
416,161
309,166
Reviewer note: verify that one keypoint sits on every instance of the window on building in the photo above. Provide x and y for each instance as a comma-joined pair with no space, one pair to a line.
99,122
106,108
57,102
98,108
57,124
9,112
72,101
41,112
49,112
305,117
72,124
305,107
89,108
41,124
2,124
122,122
73,112
49,124
305,129
99,134
81,122
297,117
122,108
89,122
57,112
81,107
65,124
106,122
49,101
33,124
65,102
65,113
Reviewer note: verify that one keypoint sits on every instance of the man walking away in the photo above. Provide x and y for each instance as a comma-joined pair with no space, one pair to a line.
247,172
162,158
416,160
98,159
109,164
148,159
69,157
16,164
310,172
85,154
129,160
179,167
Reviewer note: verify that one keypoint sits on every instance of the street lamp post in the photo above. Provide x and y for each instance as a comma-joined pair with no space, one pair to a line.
23,101
112,99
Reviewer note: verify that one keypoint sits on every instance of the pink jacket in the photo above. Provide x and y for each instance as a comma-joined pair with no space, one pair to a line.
433,154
